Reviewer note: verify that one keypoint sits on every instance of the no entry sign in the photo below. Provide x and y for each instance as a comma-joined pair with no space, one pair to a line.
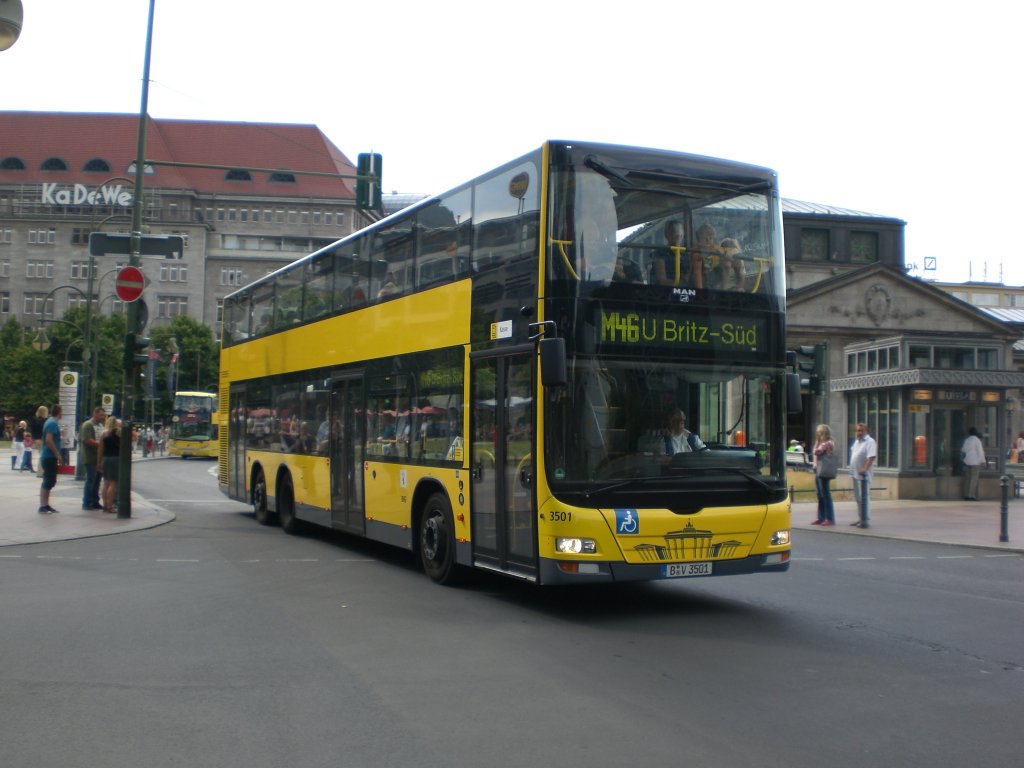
129,284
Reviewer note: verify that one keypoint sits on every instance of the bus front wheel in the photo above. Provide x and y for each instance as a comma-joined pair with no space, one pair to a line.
437,540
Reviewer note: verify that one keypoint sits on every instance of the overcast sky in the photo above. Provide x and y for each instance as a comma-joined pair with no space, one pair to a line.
905,109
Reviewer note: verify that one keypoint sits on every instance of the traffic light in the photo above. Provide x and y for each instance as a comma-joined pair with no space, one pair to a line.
815,364
368,190
135,351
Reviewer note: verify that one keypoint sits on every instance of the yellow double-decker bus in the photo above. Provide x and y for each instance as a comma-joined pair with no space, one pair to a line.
194,420
569,370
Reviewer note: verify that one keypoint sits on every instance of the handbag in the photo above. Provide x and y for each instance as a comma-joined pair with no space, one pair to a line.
827,466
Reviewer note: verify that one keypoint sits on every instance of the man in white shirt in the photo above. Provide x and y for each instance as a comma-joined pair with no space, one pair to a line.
973,454
863,453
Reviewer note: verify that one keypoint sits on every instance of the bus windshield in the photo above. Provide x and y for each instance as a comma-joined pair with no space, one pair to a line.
638,219
664,274
615,423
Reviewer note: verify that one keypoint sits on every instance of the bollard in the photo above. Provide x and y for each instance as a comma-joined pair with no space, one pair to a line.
1004,484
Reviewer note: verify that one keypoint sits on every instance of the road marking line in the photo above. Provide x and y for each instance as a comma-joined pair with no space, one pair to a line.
10,557
953,557
194,501
906,557
1008,554
856,558
173,560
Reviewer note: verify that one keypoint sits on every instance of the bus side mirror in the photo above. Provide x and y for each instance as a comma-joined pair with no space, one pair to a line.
794,401
552,362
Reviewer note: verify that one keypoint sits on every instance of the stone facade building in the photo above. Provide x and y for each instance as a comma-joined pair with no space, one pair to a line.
65,175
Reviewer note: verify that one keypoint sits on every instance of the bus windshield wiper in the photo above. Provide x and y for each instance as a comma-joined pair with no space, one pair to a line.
620,484
756,479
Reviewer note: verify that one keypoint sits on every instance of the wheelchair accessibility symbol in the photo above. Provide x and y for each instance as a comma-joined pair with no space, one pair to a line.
627,521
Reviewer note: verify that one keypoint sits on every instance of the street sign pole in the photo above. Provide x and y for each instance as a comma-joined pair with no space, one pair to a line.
124,485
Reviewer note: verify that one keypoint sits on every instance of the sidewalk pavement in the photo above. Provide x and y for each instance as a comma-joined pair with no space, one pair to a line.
960,523
20,523
963,523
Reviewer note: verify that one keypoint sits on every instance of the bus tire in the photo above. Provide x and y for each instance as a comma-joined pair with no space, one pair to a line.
437,540
259,500
286,506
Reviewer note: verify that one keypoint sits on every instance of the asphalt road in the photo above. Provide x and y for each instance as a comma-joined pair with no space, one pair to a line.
215,641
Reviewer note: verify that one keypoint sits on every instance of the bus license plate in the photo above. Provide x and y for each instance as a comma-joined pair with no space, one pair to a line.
681,570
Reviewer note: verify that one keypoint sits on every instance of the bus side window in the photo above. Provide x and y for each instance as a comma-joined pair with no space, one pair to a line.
350,277
318,295
393,263
505,225
443,237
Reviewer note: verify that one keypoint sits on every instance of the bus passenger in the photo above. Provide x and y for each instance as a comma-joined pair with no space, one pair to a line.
730,272
705,256
390,287
626,271
663,268
305,443
358,294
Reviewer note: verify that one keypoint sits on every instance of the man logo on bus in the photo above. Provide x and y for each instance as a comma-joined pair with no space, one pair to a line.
627,521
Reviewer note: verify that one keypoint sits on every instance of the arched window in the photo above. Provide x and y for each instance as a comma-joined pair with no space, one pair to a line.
97,165
53,164
238,175
148,170
288,178
12,164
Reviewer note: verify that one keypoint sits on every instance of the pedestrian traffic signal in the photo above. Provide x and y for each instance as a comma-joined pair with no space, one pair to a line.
135,351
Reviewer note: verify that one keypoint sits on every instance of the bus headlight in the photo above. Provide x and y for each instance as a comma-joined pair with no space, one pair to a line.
780,538
569,546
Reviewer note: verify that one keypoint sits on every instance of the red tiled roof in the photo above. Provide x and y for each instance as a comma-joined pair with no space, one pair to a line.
77,138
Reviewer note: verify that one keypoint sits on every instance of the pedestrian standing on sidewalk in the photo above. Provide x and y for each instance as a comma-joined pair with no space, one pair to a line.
35,429
825,461
110,459
973,455
26,454
863,454
18,446
89,437
1020,447
50,459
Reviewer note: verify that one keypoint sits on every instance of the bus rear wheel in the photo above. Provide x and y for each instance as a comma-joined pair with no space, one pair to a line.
286,507
437,540
259,500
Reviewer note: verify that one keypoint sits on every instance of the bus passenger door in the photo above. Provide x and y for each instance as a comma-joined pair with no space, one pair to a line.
236,442
501,461
346,454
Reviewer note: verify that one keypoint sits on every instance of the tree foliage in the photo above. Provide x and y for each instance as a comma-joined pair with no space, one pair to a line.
29,376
